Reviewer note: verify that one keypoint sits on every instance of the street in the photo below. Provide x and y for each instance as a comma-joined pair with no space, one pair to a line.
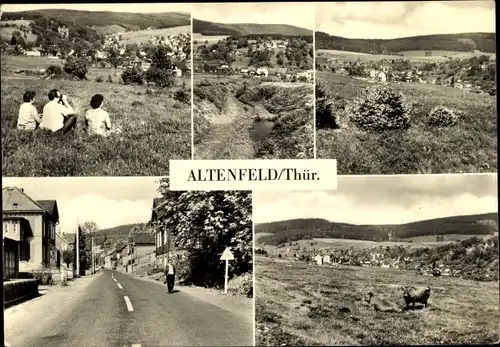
111,308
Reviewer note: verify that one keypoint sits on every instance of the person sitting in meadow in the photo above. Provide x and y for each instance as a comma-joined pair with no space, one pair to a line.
58,115
96,118
28,119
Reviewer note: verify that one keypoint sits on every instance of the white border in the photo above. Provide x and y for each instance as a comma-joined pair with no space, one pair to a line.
192,85
314,79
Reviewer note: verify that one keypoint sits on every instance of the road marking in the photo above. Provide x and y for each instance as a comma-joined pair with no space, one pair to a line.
119,286
129,304
114,279
136,345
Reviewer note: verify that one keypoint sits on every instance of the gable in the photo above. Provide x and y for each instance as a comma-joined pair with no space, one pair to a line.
15,200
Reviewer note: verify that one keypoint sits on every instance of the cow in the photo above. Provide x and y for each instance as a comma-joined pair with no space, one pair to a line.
413,295
381,305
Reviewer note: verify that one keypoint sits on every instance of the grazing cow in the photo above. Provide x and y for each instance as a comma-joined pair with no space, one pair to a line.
381,304
414,295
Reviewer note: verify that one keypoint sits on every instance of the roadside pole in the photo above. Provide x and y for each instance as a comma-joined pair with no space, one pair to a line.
77,252
92,251
227,255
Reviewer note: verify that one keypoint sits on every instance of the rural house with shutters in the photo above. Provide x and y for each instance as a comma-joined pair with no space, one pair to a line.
161,235
29,232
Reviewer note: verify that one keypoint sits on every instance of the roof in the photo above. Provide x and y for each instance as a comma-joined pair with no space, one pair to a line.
50,206
71,238
142,238
14,199
157,203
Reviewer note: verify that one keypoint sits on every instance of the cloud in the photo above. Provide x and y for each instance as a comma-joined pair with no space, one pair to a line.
399,19
368,200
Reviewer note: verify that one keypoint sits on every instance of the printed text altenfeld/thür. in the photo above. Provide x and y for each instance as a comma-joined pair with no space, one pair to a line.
253,174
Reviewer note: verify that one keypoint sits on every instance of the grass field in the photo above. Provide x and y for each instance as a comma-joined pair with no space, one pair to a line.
468,147
154,128
232,121
144,35
300,304
413,56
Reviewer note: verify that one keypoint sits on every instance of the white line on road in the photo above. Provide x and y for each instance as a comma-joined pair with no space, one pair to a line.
129,304
119,286
114,279
136,345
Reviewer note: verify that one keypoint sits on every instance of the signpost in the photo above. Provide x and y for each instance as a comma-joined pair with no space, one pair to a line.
227,256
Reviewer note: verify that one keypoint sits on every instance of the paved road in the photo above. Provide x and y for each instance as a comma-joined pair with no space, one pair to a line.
116,309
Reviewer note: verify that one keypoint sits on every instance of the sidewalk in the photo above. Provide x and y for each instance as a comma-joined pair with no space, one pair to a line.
235,304
43,309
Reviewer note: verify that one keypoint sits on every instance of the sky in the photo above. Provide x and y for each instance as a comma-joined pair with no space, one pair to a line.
135,8
386,20
383,199
107,201
297,14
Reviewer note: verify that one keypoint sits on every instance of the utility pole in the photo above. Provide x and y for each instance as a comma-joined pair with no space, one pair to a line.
92,251
168,246
77,251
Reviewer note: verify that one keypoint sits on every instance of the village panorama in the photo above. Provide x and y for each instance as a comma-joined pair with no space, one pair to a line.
122,78
384,260
421,97
253,81
119,257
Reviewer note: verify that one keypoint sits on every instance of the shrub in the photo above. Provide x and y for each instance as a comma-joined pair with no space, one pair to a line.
442,117
54,70
183,96
383,108
162,78
99,79
326,108
77,67
132,76
110,79
241,285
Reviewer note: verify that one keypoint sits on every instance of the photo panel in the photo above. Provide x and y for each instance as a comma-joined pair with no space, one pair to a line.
253,91
131,260
383,260
95,89
406,87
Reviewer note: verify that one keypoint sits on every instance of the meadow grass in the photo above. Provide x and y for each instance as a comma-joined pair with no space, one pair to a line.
143,36
305,304
469,147
154,129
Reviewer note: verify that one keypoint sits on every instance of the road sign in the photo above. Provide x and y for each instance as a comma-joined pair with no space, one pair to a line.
227,254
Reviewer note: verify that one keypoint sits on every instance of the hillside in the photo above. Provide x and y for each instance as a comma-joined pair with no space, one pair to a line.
211,29
114,20
467,42
118,233
298,229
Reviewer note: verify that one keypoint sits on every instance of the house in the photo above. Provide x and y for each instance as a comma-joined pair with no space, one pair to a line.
318,259
63,31
262,71
33,53
123,252
161,233
141,246
29,232
327,259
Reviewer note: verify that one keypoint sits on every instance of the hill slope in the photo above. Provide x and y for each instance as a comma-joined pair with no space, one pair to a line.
115,234
466,42
113,20
298,229
212,28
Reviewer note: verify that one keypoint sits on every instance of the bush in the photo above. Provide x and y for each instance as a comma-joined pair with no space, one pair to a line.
382,109
162,78
241,285
77,67
183,96
54,70
442,117
131,76
99,79
326,108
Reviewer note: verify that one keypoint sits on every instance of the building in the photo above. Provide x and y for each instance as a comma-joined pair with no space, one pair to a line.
161,234
141,245
29,232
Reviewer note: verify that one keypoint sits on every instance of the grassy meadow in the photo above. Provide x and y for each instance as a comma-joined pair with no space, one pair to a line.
150,127
141,36
305,304
468,147
236,118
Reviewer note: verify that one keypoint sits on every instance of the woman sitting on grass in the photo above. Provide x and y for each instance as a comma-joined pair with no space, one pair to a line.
28,115
97,120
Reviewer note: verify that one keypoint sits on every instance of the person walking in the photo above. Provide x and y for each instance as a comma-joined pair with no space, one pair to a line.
170,277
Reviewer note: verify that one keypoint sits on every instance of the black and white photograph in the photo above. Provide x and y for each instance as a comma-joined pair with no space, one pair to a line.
95,89
124,261
383,260
406,87
253,91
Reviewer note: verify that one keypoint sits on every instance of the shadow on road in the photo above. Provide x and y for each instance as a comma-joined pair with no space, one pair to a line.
174,291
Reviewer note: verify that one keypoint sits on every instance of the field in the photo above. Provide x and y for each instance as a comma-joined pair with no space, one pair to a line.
144,35
151,128
469,147
413,56
236,118
309,305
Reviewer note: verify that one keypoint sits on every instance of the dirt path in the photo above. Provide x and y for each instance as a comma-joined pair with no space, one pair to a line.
229,137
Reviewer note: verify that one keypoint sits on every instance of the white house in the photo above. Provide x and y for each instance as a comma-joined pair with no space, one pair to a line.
318,259
327,259
33,53
262,71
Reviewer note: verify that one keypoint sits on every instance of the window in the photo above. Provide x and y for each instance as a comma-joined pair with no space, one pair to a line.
10,263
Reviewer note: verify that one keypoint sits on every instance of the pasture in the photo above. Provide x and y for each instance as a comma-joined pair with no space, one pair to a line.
468,147
143,36
151,127
305,304
413,56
